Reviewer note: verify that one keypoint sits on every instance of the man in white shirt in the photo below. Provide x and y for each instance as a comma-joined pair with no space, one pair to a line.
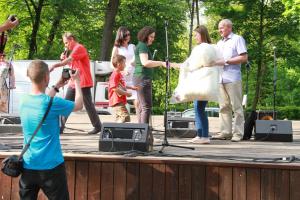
233,48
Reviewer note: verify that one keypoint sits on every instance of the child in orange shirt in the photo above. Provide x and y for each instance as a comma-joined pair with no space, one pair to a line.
117,90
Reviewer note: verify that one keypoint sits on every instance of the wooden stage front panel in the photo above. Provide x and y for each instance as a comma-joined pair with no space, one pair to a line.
118,178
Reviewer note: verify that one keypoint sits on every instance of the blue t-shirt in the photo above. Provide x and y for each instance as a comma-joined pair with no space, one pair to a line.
45,149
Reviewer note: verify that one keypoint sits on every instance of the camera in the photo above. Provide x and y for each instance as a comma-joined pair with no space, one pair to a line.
65,73
12,18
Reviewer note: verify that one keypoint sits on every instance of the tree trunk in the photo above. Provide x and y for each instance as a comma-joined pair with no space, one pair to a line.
110,15
197,12
260,61
55,24
35,28
192,11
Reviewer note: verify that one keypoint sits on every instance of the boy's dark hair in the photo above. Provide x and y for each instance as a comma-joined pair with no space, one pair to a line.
117,59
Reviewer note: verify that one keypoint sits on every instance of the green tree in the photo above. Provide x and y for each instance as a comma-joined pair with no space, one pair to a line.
292,7
35,12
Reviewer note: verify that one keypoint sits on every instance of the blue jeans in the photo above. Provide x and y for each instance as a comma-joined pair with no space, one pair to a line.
201,118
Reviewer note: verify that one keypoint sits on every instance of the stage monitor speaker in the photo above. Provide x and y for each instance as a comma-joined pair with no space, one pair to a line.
171,114
125,137
182,127
266,115
10,119
274,130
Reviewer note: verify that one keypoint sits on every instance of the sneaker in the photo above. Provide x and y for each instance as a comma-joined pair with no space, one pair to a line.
94,131
221,136
202,141
236,138
192,140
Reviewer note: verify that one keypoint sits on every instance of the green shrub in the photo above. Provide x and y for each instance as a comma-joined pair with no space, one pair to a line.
286,112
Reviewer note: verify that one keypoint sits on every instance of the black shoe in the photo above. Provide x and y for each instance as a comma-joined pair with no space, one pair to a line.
94,131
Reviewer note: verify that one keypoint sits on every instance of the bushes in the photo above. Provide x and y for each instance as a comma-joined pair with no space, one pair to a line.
287,112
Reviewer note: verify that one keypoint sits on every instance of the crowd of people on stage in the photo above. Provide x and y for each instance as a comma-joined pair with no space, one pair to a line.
139,72
131,79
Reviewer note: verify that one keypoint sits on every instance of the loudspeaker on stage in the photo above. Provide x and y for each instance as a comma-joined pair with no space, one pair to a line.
274,130
182,127
266,115
125,137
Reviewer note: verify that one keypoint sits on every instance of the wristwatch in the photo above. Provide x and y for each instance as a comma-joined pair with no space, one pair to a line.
55,88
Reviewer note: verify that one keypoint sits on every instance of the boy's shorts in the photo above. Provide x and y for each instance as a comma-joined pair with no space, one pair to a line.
121,113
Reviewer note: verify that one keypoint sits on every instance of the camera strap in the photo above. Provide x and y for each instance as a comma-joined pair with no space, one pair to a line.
37,128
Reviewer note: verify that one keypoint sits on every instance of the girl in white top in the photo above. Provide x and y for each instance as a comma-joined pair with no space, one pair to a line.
122,47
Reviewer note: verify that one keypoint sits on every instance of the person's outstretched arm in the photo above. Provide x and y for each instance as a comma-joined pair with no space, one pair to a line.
150,63
8,24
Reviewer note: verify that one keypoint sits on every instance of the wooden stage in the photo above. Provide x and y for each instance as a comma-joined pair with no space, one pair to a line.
221,170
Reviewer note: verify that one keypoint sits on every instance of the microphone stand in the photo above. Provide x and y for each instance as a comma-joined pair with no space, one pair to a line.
245,98
274,83
165,141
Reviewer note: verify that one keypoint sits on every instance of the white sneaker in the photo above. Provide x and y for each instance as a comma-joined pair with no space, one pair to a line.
192,140
221,136
203,140
236,138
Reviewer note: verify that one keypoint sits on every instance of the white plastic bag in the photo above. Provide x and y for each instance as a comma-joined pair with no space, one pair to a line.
197,82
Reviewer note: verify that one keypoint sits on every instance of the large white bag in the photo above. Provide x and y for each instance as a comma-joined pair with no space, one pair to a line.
197,82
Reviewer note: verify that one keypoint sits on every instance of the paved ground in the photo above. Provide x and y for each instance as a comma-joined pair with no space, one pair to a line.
76,140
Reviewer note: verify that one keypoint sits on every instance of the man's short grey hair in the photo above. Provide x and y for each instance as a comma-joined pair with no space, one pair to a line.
226,22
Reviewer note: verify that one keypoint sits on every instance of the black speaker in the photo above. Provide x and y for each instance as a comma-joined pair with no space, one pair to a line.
125,137
274,130
266,115
173,114
181,127
10,119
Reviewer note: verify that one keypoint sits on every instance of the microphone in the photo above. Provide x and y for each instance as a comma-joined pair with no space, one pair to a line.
65,51
248,65
64,54
166,23
154,53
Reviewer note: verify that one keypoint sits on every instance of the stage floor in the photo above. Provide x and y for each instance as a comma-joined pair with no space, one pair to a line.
76,141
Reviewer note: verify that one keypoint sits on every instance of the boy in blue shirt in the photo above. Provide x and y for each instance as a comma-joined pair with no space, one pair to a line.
43,162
